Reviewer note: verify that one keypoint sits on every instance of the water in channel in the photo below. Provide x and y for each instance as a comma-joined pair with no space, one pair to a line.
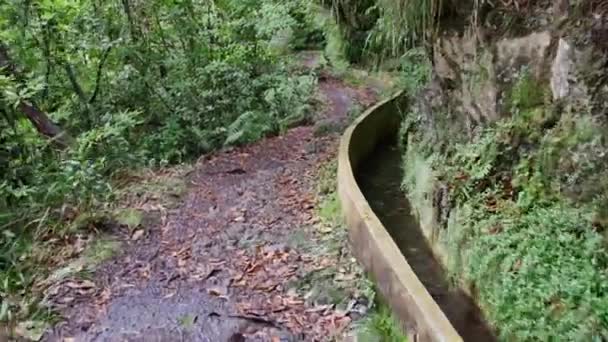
379,178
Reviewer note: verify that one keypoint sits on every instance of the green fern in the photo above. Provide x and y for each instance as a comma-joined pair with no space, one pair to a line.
248,127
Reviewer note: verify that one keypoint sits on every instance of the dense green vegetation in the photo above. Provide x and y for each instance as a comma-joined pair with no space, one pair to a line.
520,208
525,230
92,89
381,31
518,203
93,94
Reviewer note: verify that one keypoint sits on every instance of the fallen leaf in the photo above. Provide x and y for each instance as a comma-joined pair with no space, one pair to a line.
325,229
129,217
344,277
320,308
204,272
137,235
65,300
86,284
80,285
218,291
517,265
31,330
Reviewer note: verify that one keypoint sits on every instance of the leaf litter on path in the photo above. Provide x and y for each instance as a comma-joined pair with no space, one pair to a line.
225,253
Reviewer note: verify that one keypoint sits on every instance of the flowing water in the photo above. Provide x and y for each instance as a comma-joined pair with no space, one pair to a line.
380,178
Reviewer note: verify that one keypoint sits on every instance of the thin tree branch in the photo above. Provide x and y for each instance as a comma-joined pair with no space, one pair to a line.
104,57
127,8
38,118
74,82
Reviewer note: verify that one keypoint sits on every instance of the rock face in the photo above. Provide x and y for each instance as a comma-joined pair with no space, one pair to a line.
483,72
473,84
561,70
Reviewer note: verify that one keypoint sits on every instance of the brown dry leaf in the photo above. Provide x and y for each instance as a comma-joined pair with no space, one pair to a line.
285,271
182,262
253,267
345,277
248,309
239,283
292,301
80,285
312,220
218,291
298,321
183,253
69,284
320,308
495,229
325,229
137,235
204,272
341,324
268,285
65,300
517,265
144,271
104,296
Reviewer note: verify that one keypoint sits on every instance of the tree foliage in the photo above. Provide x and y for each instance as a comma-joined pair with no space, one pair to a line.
89,88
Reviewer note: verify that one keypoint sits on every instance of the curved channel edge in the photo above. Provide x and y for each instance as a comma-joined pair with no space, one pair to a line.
372,244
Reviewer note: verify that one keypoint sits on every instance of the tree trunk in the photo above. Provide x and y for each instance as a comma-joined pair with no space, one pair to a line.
43,124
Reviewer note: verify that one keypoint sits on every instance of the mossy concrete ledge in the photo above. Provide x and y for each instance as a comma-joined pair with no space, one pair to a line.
372,244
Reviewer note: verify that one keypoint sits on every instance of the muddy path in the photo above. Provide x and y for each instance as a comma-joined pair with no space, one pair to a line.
222,265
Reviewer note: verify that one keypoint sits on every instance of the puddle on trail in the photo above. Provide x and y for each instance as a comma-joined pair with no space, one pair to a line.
380,178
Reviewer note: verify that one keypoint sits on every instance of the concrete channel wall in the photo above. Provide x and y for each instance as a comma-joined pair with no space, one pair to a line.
371,242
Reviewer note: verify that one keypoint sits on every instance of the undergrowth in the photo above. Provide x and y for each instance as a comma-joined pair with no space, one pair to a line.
525,229
93,92
381,326
377,31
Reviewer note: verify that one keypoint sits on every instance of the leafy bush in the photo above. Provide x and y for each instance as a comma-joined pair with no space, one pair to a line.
128,84
541,275
378,29
382,326
414,71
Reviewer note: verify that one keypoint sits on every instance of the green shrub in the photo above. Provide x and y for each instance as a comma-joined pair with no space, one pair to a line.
526,217
132,84
536,261
414,71
540,275
381,326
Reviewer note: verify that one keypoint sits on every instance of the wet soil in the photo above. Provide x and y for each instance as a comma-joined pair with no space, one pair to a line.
220,266
380,180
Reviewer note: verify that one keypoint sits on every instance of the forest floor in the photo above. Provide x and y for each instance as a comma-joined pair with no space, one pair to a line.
242,255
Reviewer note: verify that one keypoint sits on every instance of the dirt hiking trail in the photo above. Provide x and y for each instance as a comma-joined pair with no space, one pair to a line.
238,258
